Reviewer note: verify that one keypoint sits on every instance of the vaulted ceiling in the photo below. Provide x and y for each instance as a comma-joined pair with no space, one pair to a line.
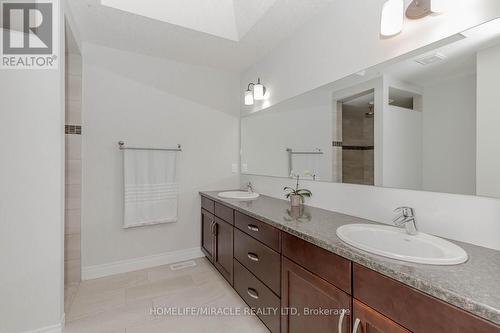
230,19
226,34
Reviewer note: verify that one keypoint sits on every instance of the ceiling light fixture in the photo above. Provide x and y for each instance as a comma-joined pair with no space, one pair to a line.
254,92
391,22
393,13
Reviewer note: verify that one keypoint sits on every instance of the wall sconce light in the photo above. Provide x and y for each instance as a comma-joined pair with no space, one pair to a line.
393,13
254,92
249,97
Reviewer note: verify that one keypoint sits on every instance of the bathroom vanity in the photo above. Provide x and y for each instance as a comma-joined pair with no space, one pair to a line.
281,260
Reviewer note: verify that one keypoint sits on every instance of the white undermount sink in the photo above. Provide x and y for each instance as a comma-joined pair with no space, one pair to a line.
242,195
395,243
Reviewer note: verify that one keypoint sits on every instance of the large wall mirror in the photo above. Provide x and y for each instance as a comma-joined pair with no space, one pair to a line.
429,120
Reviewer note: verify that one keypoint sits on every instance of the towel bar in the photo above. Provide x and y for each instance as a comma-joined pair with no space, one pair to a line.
122,146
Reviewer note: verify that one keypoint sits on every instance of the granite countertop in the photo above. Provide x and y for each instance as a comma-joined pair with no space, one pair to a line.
473,286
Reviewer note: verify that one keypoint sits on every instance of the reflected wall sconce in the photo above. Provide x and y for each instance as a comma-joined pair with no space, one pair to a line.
254,92
393,12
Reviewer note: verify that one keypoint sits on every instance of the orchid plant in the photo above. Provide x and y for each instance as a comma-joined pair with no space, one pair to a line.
302,193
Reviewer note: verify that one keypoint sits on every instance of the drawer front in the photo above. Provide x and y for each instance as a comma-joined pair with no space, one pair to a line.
259,230
258,297
327,265
370,321
259,259
418,312
208,205
224,213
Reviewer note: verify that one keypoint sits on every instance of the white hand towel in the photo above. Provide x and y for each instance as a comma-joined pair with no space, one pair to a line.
151,189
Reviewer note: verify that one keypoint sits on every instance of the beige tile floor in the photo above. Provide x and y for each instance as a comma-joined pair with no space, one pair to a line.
122,303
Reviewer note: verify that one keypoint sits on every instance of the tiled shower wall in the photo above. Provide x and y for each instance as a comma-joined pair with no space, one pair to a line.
357,141
72,238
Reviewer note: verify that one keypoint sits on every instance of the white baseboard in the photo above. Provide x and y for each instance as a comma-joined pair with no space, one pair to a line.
58,328
124,266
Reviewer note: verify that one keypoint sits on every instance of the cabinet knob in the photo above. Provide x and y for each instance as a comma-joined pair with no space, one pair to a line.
253,256
253,293
253,227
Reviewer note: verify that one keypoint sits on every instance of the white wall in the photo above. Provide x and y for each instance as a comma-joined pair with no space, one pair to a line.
402,166
146,101
303,123
322,52
31,198
402,140
449,136
488,121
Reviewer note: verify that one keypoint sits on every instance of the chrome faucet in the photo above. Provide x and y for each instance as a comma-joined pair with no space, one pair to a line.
407,219
250,187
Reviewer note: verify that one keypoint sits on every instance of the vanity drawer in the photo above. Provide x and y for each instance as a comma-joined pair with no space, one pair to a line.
418,312
224,213
208,205
327,265
258,297
259,259
258,230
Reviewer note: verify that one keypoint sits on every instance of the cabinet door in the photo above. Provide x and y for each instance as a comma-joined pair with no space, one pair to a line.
207,234
367,320
223,249
319,304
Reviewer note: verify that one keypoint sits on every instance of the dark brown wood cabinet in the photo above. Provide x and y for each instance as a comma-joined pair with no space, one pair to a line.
259,230
262,261
207,234
328,265
217,238
224,213
321,307
367,320
258,296
208,205
413,309
223,249
305,288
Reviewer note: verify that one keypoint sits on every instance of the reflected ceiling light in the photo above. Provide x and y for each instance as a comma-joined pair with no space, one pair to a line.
392,18
254,92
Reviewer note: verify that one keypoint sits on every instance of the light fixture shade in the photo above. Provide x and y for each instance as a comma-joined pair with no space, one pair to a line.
392,18
439,6
248,97
259,91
